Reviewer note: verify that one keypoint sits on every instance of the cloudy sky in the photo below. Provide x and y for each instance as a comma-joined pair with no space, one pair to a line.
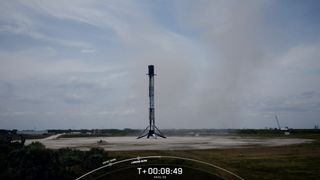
219,64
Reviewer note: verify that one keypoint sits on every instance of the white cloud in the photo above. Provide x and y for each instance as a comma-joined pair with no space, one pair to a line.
302,57
88,51
21,65
16,19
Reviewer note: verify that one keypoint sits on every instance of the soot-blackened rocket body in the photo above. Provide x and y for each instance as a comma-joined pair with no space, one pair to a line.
151,129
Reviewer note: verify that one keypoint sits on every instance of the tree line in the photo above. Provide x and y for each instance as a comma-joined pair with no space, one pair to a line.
35,162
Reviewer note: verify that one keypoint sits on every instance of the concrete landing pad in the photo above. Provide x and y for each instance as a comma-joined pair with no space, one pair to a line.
171,143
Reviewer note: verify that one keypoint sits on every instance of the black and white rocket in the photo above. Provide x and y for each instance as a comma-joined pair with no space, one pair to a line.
151,129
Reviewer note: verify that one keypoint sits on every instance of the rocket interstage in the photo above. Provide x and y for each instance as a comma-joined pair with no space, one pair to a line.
151,130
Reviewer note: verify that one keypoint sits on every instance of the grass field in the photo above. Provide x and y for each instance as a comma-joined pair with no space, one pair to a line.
284,162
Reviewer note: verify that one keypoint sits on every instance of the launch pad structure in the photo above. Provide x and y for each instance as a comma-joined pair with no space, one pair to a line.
151,130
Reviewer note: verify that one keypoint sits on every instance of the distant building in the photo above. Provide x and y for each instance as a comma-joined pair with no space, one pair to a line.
75,132
33,132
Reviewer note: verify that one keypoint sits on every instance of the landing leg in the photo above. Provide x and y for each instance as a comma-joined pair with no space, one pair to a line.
143,133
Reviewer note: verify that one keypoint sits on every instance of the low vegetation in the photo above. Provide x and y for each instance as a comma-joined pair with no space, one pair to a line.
35,162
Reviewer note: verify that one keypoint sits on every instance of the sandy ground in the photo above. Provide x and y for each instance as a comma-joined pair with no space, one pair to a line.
171,143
